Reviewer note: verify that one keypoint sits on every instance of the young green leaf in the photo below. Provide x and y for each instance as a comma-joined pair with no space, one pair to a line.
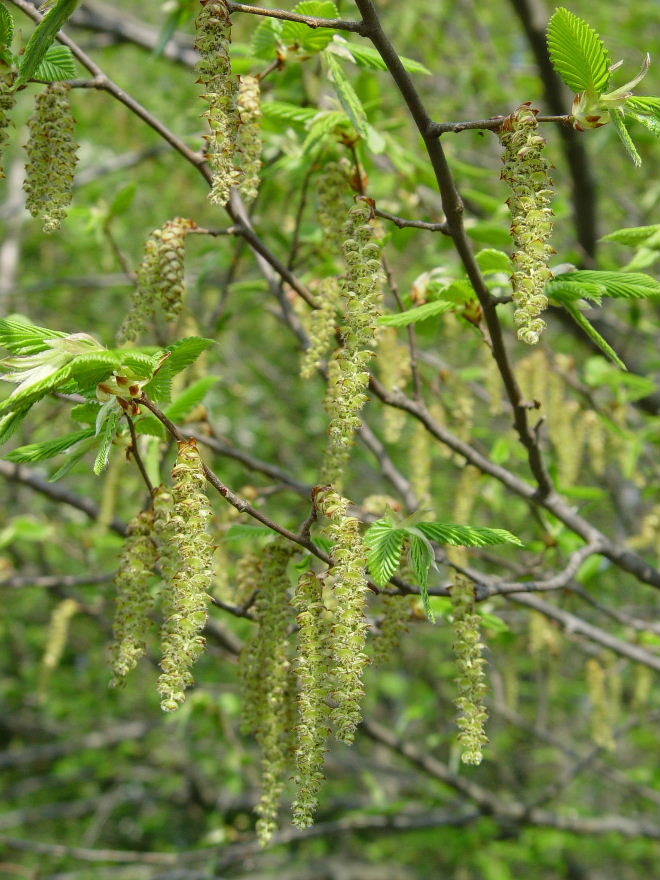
466,536
108,432
421,559
10,422
366,56
593,334
57,64
577,53
48,448
43,37
266,38
190,398
622,285
414,316
6,27
384,545
90,369
492,260
74,455
346,94
617,116
295,33
281,111
21,337
635,236
29,395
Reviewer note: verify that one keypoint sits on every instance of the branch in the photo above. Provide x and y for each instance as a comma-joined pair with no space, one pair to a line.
491,803
28,477
312,21
56,582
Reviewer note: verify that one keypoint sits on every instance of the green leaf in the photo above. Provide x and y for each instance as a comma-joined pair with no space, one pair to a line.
30,395
346,94
43,37
593,334
281,111
647,121
266,38
150,427
634,236
190,398
421,559
90,369
324,124
384,543
21,337
645,105
297,34
617,117
622,285
466,536
107,435
242,532
492,260
577,53
58,64
135,364
86,413
567,291
74,455
185,353
414,316
10,422
6,27
48,448
366,56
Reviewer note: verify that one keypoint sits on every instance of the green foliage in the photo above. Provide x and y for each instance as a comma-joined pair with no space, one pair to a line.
42,39
57,64
346,94
386,539
577,53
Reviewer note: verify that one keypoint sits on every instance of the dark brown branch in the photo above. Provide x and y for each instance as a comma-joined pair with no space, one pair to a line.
492,124
402,223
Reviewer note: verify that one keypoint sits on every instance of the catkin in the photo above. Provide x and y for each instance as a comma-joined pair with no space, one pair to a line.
160,278
265,672
56,639
526,172
213,26
7,101
248,143
133,597
322,324
347,374
332,193
313,667
182,640
471,678
349,629
52,158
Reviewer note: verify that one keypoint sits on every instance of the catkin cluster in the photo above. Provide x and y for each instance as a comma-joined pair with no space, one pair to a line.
248,143
7,101
526,172
392,625
182,640
333,189
314,665
321,327
471,678
349,629
264,667
347,371
52,159
213,25
160,278
133,597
